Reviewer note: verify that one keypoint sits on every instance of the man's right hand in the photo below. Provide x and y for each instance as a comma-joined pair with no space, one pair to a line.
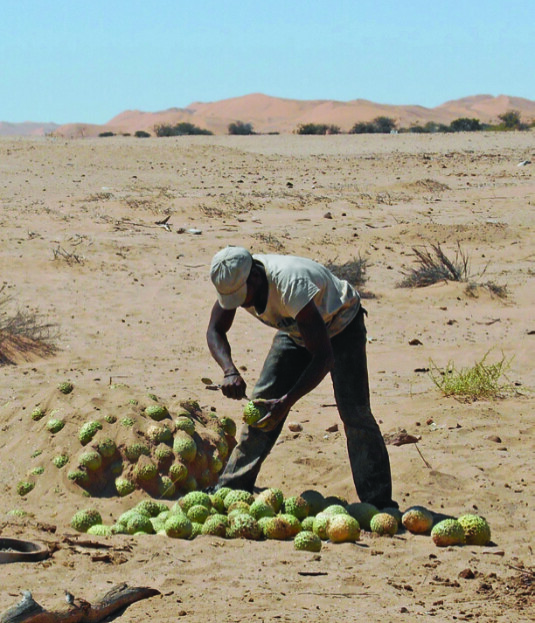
234,387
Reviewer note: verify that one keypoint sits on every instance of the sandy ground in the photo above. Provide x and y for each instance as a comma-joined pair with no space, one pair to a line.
131,300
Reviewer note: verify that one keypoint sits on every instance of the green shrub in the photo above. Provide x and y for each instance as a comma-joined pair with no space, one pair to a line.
141,134
482,380
240,128
317,128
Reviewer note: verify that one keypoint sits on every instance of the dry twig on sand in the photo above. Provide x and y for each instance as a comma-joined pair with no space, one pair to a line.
434,266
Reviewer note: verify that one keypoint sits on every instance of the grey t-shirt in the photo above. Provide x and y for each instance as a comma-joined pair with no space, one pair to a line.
295,281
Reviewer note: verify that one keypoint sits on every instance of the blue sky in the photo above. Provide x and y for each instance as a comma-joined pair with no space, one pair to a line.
87,61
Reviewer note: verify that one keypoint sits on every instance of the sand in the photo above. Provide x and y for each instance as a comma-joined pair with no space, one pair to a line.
80,247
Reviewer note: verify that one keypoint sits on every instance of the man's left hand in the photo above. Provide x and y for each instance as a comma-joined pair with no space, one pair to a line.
278,409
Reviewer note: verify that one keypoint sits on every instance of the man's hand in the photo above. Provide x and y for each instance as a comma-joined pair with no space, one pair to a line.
234,387
277,408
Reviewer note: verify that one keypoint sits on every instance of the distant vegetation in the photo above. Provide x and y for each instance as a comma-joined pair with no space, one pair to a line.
380,125
141,134
180,129
509,120
317,128
240,128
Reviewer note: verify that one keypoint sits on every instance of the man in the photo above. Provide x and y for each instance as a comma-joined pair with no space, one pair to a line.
320,330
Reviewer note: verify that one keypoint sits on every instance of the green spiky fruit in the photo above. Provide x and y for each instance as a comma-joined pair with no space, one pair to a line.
229,426
239,506
217,503
384,523
363,513
222,448
163,454
111,419
216,525
124,486
185,447
159,434
296,506
417,520
252,412
54,425
88,431
24,487
343,529
294,525
315,501
307,541
60,461
476,529
196,530
91,460
127,422
447,532
319,527
238,495
272,496
308,523
158,525
138,522
157,412
66,387
38,414
185,423
84,519
152,507
79,476
395,512
278,528
215,463
198,513
107,447
190,484
244,527
178,472
166,487
193,498
135,450
145,470
259,509
335,509
100,530
178,526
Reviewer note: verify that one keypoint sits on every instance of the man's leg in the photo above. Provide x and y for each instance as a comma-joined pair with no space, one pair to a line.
368,455
283,366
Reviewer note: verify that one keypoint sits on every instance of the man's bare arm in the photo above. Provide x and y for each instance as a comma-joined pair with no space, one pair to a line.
233,385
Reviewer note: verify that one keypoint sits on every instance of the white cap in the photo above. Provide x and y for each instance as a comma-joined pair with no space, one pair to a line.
229,271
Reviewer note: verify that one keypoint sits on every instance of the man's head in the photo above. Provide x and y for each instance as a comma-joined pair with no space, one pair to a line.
229,271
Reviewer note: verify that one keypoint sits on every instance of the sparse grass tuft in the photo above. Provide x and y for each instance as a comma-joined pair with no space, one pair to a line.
434,266
481,381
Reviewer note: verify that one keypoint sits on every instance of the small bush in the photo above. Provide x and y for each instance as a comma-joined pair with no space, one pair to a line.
141,134
180,129
106,134
353,271
240,128
481,381
434,266
317,128
24,332
380,125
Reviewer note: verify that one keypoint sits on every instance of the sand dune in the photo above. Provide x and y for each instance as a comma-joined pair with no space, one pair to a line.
274,114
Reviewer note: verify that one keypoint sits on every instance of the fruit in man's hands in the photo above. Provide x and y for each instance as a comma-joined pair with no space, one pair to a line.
252,412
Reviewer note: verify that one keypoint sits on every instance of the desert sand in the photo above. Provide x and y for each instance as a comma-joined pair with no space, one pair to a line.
131,299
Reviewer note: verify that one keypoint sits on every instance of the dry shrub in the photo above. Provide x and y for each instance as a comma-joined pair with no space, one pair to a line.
24,334
434,266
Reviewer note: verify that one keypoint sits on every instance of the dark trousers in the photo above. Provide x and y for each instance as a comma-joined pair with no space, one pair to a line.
284,364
